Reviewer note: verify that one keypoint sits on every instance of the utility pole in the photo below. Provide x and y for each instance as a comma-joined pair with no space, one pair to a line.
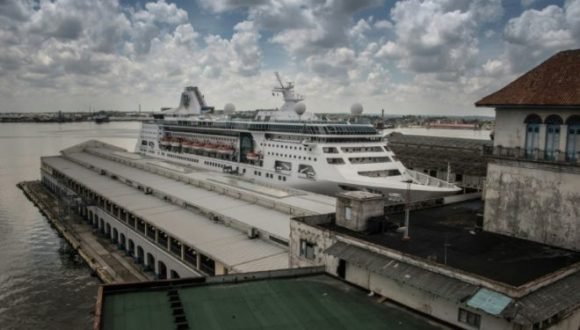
407,210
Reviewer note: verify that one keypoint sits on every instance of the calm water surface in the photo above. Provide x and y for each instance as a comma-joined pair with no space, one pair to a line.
455,133
41,287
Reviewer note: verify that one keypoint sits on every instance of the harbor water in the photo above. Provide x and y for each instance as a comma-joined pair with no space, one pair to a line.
41,285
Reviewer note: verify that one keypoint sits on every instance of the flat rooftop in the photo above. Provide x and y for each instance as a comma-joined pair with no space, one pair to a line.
305,302
227,245
446,235
256,205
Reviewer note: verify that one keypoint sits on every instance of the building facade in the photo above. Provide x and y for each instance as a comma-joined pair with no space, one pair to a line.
533,179
431,286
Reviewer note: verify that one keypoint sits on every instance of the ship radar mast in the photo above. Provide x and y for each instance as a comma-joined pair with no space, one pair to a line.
287,91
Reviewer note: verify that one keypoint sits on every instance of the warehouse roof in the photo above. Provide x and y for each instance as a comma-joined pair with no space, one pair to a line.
272,221
299,302
230,246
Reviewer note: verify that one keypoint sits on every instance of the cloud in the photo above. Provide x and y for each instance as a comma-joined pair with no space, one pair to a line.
537,34
83,47
439,37
301,27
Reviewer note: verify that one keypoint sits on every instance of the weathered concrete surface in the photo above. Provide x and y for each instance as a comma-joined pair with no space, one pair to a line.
534,201
108,263
354,208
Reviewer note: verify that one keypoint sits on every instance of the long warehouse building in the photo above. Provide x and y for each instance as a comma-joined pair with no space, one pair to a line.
178,221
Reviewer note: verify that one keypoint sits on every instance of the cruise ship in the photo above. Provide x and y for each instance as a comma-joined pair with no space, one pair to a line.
285,147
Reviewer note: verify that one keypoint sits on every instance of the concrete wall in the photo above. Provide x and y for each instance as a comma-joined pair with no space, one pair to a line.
323,240
534,201
360,211
571,322
422,301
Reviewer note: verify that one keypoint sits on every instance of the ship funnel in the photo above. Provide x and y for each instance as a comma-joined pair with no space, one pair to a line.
191,102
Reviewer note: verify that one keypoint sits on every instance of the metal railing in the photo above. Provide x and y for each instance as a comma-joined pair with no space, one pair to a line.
538,155
428,180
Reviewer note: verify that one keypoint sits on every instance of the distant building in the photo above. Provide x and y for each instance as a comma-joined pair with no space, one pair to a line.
533,178
459,161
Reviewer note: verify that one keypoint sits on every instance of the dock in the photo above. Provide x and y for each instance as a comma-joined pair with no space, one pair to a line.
108,263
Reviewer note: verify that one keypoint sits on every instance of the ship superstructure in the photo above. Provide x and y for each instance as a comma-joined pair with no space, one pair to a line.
287,147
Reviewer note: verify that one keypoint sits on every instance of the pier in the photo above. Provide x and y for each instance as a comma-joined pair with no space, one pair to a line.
107,262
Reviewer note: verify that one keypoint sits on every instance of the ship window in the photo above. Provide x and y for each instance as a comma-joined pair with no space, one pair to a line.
369,160
380,173
282,166
334,161
330,150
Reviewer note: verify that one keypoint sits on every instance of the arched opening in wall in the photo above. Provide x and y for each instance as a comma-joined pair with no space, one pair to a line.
174,274
553,123
140,255
533,123
150,265
90,217
108,230
115,236
122,241
573,138
161,270
131,247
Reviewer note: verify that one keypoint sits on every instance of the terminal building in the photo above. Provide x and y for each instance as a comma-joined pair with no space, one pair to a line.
519,266
533,178
446,267
177,221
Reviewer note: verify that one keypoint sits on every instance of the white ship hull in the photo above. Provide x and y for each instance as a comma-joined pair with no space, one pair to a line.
285,148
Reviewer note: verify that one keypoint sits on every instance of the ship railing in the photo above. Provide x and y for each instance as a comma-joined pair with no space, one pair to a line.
427,180
555,156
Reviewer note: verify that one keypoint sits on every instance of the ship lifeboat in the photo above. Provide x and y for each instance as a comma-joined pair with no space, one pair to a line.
209,147
164,141
175,142
187,146
196,146
225,150
252,156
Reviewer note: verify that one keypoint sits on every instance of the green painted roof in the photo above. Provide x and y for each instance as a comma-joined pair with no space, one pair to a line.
312,302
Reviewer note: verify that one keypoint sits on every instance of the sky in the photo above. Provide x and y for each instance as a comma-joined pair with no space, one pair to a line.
432,57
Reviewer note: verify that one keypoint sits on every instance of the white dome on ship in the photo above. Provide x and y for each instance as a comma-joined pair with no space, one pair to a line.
356,109
300,108
229,108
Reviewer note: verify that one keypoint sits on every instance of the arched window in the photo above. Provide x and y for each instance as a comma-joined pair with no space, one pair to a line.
532,133
573,138
553,123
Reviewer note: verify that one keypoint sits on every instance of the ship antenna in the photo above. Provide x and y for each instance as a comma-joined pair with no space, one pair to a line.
279,79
